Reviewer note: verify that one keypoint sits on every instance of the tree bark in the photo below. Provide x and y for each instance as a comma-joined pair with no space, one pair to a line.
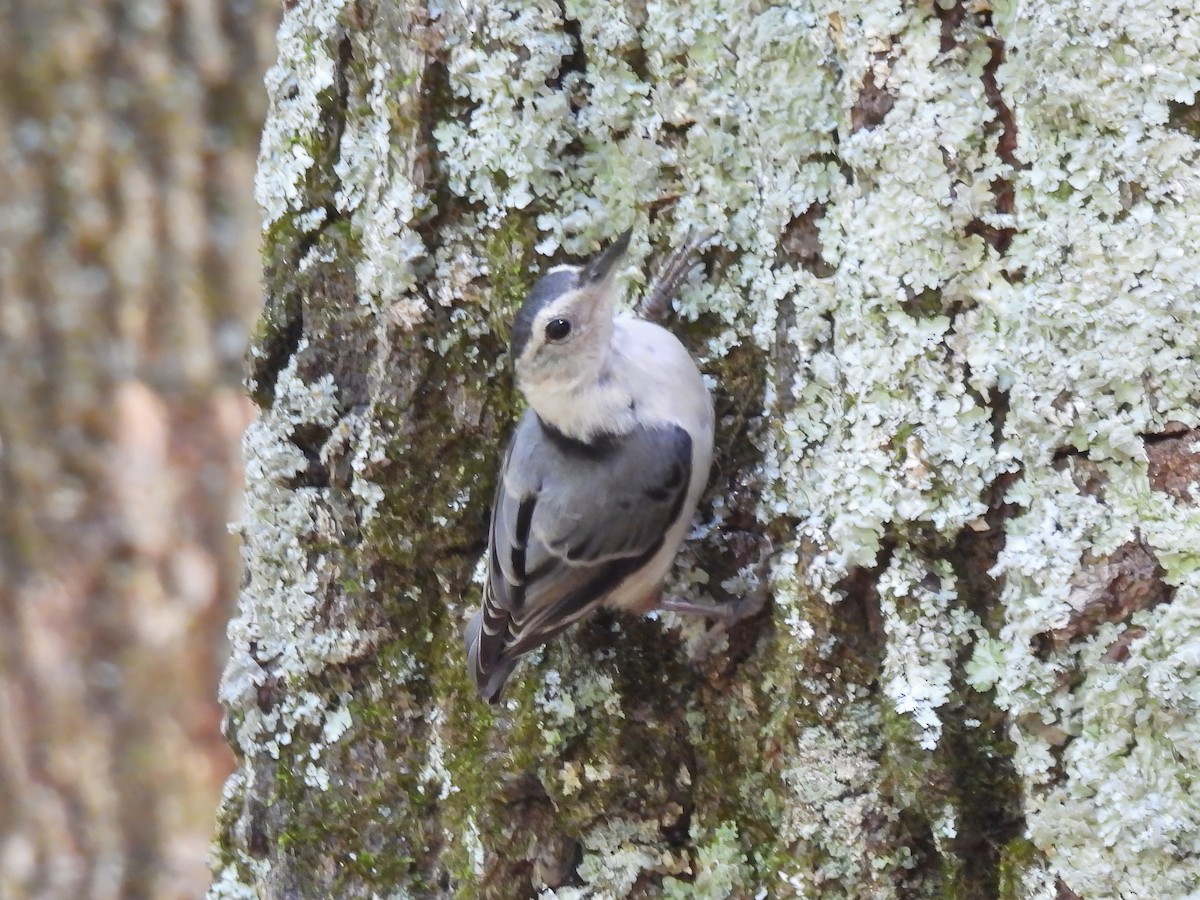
127,282
950,327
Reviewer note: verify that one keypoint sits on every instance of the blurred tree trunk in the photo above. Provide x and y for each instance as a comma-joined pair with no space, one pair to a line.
950,327
128,277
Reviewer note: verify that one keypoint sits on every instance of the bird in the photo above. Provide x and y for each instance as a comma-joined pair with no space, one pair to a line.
602,475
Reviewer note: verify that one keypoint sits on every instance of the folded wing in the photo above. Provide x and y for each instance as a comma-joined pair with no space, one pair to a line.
570,522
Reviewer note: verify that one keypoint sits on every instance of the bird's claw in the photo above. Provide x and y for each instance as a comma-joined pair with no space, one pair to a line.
730,610
679,265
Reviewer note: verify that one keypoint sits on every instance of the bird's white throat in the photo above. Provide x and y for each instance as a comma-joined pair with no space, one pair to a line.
584,410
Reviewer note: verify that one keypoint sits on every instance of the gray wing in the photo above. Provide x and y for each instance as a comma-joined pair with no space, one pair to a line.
570,522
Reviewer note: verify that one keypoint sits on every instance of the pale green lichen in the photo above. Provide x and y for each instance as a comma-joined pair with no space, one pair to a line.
378,157
615,855
435,778
228,884
559,705
306,69
277,642
509,147
364,438
851,453
926,629
719,871
833,789
1124,811
1094,347
276,627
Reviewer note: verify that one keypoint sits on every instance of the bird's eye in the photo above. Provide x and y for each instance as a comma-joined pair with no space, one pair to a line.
557,330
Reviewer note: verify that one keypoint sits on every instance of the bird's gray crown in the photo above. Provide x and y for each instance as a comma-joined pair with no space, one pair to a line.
547,289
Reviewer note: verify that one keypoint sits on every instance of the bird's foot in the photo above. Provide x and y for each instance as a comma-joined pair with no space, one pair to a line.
682,263
730,610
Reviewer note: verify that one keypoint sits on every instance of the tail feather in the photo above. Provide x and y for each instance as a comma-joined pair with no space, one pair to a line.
489,682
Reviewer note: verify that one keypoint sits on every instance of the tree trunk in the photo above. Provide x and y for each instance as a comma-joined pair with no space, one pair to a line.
949,326
127,137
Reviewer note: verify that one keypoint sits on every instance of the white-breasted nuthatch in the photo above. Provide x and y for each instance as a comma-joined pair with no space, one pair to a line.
601,478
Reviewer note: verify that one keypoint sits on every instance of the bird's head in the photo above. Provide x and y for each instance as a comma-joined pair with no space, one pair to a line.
561,334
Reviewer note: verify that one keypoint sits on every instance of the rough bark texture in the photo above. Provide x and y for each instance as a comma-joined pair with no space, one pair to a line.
129,275
950,327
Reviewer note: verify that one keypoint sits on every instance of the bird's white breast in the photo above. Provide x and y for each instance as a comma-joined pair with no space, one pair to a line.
662,379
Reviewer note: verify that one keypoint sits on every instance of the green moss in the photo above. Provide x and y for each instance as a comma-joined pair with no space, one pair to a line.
356,823
451,468
1017,859
509,252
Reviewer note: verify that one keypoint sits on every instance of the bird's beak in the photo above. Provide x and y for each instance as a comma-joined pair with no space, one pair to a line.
603,265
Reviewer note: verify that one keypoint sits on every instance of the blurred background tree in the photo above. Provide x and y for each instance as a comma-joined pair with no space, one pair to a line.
129,273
